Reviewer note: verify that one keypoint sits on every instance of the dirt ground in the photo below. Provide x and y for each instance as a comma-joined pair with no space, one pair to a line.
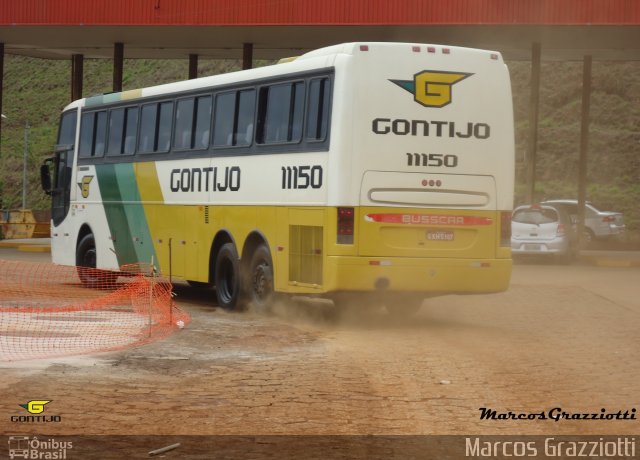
561,337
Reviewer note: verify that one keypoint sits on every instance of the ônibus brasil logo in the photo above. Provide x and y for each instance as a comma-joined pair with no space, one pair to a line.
432,88
34,448
35,407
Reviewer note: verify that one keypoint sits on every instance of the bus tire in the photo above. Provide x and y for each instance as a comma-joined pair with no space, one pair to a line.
227,278
86,259
259,280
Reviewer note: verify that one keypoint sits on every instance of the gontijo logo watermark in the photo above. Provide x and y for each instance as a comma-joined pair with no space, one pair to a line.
432,88
35,407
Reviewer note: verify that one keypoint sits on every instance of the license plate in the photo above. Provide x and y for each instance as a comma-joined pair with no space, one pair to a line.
440,235
532,247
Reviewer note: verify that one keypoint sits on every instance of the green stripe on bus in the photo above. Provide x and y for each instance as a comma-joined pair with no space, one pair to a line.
134,210
125,214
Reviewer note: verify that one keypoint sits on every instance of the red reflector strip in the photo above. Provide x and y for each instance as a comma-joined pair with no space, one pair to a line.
428,219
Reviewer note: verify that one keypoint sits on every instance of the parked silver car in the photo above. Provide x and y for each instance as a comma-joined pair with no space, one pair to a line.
543,230
599,225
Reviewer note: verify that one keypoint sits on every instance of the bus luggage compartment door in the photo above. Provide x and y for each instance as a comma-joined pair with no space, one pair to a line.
427,215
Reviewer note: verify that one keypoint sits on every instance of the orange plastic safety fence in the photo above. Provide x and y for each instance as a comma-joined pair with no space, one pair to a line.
51,310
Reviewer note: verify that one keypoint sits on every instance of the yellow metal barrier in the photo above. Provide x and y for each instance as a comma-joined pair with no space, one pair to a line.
24,223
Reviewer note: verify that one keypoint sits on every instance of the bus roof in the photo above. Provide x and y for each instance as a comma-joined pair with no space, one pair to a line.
301,63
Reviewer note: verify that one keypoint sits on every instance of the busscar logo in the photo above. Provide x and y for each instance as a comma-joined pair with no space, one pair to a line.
35,407
432,88
84,186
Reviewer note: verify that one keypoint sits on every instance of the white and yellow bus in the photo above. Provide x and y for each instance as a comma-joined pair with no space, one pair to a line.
382,168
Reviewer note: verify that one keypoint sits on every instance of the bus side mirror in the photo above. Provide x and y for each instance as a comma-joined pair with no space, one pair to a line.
45,177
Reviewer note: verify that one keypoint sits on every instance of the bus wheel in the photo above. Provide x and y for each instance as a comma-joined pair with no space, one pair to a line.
259,287
86,265
227,277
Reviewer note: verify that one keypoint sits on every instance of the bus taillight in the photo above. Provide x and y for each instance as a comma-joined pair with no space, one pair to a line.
345,225
505,228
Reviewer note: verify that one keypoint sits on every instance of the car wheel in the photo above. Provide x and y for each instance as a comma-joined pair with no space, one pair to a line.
587,237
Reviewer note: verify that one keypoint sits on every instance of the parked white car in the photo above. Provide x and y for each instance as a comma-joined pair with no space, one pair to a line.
543,230
599,225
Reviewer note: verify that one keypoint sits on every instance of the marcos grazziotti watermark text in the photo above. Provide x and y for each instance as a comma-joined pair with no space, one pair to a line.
557,414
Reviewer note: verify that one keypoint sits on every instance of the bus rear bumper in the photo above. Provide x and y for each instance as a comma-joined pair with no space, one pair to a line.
429,276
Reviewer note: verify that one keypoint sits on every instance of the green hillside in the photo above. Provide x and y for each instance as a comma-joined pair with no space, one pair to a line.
36,90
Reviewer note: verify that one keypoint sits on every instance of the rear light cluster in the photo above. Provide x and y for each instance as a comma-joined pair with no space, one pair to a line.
608,219
345,225
561,230
505,228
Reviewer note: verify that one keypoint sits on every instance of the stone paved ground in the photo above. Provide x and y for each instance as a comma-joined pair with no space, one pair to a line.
560,337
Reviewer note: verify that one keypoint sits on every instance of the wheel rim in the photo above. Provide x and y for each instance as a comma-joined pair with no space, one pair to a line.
261,281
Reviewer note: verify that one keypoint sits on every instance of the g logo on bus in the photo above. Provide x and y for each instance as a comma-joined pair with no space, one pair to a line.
84,185
432,88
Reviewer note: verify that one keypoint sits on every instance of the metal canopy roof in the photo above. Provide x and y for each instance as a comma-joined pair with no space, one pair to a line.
566,29
274,42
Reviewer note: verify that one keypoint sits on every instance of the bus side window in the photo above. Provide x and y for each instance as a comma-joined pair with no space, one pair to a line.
148,117
87,123
183,130
123,126
163,130
131,129
100,136
224,120
92,131
116,127
93,127
244,117
233,118
67,130
318,109
202,123
281,113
